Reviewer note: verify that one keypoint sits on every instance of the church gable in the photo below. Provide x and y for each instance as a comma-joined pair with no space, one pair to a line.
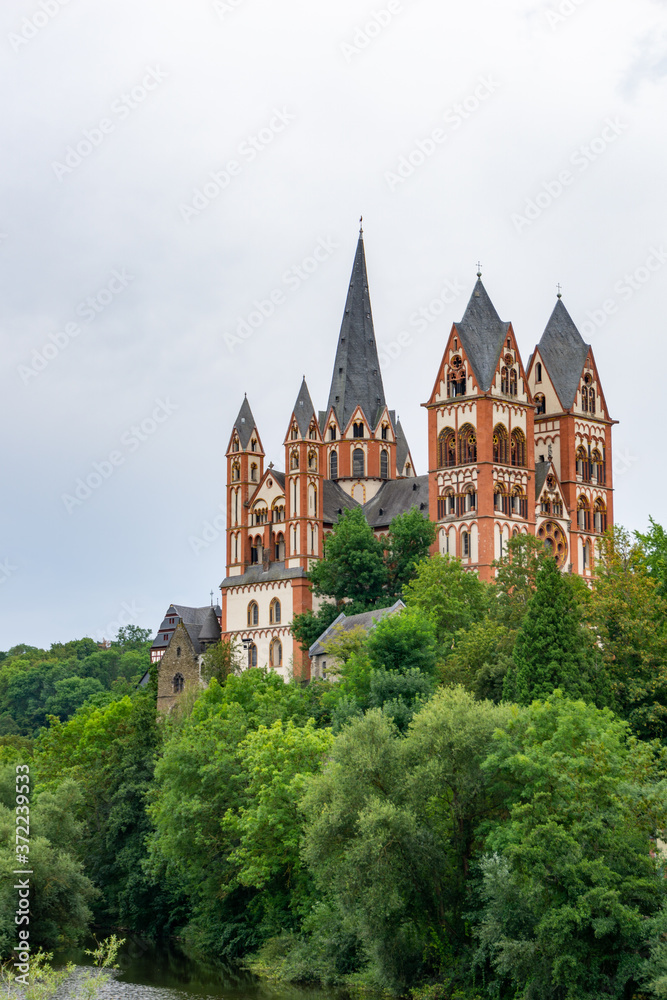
455,376
541,386
510,378
589,398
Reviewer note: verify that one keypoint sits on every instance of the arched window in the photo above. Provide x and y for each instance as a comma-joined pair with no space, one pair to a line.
358,430
583,465
178,651
583,514
312,500
276,653
456,382
545,504
252,655
384,464
274,612
500,499
278,511
253,473
465,544
235,444
294,460
541,403
333,465
587,555
294,432
178,683
312,461
469,499
312,433
253,613
519,502
598,470
446,448
538,372
467,445
280,547
358,462
584,398
518,448
236,472
504,380
500,445
385,432
513,382
332,433
600,515
591,400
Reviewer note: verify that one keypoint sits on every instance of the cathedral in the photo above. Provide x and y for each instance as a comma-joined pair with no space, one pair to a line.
511,449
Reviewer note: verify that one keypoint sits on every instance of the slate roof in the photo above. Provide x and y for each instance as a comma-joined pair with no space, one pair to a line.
245,423
210,630
182,612
397,496
304,411
366,619
335,500
279,478
356,379
563,352
541,473
482,334
193,631
257,574
402,449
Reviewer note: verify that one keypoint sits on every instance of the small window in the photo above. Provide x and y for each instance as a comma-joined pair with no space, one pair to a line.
332,433
274,612
385,432
384,464
178,683
253,613
253,473
252,655
465,543
538,372
358,430
178,651
333,465
358,463
276,653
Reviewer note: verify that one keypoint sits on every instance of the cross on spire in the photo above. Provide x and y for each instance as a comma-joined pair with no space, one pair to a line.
559,290
479,269
361,225
211,598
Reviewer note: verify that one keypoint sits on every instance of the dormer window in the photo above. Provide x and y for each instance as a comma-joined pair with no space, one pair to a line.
538,372
253,445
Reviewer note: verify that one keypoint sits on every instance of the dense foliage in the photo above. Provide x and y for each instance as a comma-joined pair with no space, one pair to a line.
473,809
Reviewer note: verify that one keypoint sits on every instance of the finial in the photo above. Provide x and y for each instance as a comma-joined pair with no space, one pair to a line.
211,598
559,291
479,270
361,225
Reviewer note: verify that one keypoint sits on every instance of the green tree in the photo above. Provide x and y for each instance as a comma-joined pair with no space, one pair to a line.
515,580
132,637
308,627
654,544
448,594
629,615
553,649
569,885
353,567
481,658
409,541
221,660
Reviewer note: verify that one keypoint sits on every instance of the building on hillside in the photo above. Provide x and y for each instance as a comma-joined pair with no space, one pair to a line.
180,665
512,449
179,613
322,664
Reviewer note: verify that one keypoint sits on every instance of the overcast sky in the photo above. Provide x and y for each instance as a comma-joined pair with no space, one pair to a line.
166,166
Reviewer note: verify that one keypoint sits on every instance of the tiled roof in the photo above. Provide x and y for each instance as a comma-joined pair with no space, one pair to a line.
335,500
394,497
367,619
482,334
257,574
563,352
356,379
210,630
245,423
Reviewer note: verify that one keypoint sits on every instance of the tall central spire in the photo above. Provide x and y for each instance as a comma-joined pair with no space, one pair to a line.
356,379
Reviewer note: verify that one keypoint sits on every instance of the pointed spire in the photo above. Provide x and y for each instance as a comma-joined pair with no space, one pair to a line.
304,411
356,379
482,334
563,353
244,424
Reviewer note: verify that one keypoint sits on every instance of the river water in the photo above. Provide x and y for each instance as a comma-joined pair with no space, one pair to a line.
148,972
